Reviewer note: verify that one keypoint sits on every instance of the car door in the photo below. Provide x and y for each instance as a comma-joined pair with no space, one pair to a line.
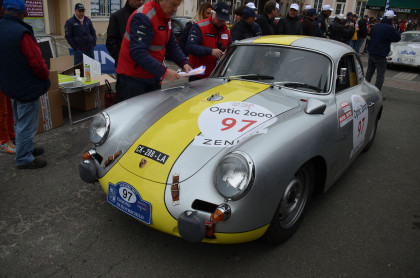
352,110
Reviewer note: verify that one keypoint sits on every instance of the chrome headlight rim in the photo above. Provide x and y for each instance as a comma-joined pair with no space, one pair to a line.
249,179
106,126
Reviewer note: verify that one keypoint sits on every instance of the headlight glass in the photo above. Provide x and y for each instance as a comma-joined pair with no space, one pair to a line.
99,128
234,175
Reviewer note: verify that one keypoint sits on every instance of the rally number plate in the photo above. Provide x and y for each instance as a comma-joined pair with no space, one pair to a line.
125,197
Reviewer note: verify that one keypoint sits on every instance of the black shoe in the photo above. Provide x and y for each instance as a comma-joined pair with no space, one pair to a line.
35,164
383,97
38,151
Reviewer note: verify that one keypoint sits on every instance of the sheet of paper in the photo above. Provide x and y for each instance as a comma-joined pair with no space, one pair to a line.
197,71
95,66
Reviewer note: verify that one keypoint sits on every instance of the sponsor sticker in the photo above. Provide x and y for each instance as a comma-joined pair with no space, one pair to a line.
360,122
227,124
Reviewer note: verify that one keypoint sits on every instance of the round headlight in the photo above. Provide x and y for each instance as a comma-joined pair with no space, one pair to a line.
234,175
99,128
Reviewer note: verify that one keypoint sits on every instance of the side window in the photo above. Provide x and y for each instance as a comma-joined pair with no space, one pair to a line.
346,73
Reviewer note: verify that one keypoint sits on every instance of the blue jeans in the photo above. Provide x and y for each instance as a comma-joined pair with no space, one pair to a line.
359,43
78,55
378,63
25,115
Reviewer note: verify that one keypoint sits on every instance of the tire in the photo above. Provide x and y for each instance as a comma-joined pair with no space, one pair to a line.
372,136
292,205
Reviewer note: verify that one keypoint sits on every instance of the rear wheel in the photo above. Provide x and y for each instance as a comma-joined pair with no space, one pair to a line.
292,205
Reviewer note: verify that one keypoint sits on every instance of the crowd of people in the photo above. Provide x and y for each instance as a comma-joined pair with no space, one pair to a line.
139,37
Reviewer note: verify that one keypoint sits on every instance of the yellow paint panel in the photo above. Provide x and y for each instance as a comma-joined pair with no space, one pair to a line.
279,39
172,133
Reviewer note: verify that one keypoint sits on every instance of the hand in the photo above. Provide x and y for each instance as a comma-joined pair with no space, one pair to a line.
217,52
172,75
187,68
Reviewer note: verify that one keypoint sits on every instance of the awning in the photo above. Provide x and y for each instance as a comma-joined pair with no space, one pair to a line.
405,6
376,5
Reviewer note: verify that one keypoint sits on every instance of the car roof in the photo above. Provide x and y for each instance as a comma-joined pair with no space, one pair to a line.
332,48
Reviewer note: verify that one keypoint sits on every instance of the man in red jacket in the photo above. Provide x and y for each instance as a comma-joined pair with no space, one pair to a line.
208,39
147,38
24,78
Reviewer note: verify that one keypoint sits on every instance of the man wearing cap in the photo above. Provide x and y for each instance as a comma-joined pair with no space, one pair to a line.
381,37
246,27
147,39
208,39
339,30
251,5
266,20
80,34
24,78
322,19
309,26
290,25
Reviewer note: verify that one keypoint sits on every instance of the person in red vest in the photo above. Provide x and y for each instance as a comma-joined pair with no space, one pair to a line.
208,39
147,39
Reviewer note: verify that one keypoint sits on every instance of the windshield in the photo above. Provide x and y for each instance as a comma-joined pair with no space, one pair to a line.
410,37
272,64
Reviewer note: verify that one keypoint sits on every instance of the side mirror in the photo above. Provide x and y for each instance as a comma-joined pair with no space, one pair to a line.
342,76
314,106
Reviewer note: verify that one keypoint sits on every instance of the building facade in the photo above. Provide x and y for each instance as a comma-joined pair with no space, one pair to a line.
49,16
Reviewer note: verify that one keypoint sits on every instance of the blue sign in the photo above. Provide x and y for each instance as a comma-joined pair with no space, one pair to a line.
125,197
102,56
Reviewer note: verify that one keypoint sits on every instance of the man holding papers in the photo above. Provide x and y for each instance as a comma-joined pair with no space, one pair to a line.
208,39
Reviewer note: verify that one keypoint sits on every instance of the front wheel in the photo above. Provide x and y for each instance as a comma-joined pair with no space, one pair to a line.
292,205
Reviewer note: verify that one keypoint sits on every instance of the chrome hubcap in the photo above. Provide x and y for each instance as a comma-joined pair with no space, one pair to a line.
294,200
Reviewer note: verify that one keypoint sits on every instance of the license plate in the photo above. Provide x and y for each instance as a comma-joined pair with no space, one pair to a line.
125,197
406,60
151,153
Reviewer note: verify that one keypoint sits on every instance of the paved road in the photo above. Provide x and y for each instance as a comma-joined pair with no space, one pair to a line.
368,225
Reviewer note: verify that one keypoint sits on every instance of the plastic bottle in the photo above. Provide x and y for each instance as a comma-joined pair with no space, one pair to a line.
87,73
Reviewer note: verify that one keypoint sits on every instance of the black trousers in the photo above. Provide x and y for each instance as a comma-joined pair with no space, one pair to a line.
132,86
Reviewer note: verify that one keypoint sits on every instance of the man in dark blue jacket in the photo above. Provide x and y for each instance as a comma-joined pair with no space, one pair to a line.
80,34
381,36
24,77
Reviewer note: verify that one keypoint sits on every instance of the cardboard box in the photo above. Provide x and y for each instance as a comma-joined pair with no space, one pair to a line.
50,111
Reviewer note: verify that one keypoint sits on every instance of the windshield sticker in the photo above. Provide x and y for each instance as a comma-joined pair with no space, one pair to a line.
347,116
227,124
360,123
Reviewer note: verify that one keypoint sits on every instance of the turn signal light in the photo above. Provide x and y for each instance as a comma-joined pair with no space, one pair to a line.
221,213
87,156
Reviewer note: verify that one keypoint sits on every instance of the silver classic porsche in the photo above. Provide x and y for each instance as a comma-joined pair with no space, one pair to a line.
237,156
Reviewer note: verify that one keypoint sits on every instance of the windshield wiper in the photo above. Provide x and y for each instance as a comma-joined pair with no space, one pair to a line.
297,85
250,77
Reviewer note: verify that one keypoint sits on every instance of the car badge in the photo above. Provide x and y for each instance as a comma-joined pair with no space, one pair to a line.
215,97
143,162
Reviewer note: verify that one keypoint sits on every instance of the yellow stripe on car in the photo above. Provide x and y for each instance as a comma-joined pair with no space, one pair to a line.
278,39
171,134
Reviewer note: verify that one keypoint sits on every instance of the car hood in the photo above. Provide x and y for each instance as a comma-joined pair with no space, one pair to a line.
174,128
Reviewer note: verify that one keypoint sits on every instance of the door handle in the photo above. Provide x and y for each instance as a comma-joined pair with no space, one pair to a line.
370,104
